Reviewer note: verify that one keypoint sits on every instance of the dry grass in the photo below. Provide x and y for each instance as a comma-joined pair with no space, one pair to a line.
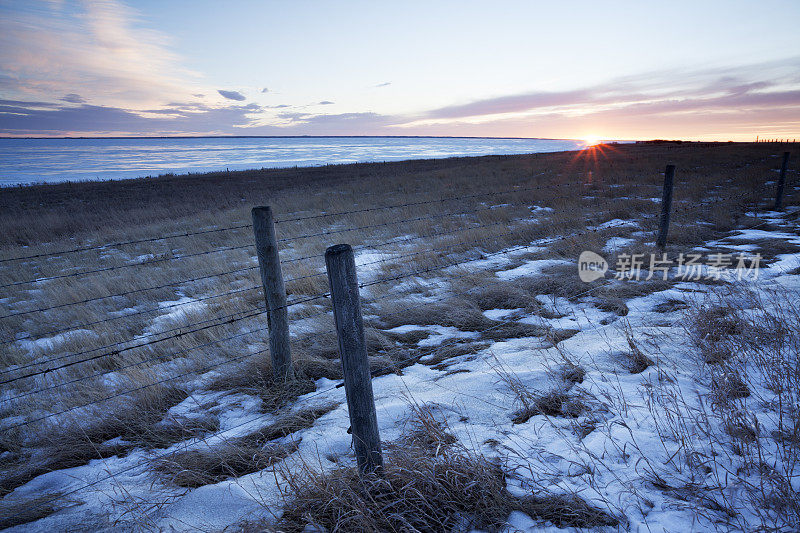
429,483
24,512
560,401
747,424
240,456
138,420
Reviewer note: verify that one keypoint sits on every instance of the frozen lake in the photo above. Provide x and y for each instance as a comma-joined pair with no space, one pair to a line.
25,161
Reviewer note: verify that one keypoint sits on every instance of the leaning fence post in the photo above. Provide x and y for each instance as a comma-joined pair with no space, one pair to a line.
666,206
782,181
274,292
353,352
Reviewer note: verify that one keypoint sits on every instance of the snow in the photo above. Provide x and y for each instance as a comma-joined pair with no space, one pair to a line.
607,467
529,268
178,310
51,343
369,264
615,243
614,223
438,334
500,314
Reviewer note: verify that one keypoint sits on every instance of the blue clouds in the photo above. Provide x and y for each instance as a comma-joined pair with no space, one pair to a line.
232,95
178,119
73,98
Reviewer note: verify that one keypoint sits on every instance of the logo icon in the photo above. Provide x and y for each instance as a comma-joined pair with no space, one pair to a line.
591,266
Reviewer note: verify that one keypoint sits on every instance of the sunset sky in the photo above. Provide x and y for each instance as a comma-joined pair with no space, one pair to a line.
722,70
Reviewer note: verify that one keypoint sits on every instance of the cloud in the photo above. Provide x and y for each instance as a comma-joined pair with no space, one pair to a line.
104,120
28,103
665,91
367,123
98,49
265,90
232,95
384,84
325,102
73,98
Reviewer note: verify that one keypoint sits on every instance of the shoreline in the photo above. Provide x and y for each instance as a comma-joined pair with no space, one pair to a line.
49,160
170,175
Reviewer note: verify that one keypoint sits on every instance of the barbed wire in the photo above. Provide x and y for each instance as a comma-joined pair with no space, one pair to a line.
230,319
278,221
127,315
88,300
221,320
132,291
127,265
227,293
245,315
123,243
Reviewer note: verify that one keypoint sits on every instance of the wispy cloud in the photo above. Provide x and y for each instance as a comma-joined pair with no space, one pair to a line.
73,98
232,95
325,102
384,84
178,119
96,49
656,92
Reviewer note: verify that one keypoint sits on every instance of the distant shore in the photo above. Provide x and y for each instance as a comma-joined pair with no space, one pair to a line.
42,160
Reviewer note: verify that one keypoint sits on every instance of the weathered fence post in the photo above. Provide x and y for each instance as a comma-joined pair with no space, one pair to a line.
666,206
274,292
782,181
353,351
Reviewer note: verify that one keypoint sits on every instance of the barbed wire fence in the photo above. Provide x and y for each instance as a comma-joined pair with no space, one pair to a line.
43,375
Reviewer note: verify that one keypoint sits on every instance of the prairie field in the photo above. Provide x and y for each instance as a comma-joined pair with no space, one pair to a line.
138,394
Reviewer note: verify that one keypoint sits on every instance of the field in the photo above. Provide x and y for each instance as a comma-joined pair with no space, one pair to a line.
137,391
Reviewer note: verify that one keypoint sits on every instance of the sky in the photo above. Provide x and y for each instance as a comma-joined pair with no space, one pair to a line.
695,70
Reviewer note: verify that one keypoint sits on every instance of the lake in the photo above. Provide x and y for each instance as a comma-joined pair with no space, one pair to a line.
25,161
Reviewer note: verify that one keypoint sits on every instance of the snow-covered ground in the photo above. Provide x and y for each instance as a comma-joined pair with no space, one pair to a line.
614,453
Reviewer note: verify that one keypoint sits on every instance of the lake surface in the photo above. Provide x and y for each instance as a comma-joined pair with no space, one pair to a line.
25,161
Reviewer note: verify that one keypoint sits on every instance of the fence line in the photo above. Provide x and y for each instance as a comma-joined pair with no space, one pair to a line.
199,278
501,252
227,319
127,265
135,313
205,438
122,243
132,291
280,221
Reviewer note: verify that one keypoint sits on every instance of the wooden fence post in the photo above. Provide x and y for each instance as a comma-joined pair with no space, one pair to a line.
353,352
274,292
666,206
782,181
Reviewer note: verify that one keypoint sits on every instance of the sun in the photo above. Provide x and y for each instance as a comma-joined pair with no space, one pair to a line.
591,140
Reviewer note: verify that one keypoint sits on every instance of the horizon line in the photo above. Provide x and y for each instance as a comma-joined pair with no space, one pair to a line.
301,137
